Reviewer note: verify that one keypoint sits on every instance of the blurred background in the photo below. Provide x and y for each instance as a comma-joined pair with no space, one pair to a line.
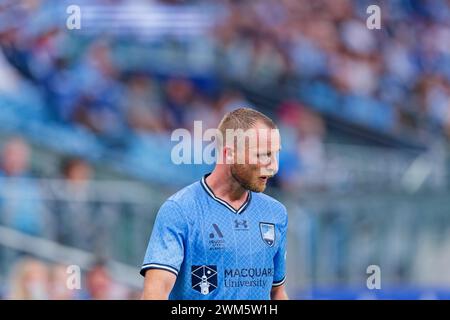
86,117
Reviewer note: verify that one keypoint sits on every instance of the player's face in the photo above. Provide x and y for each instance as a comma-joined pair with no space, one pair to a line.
261,160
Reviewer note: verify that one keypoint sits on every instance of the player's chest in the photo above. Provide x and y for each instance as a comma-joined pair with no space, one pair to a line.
236,234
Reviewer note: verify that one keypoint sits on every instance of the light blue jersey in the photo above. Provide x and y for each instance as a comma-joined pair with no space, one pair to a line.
218,252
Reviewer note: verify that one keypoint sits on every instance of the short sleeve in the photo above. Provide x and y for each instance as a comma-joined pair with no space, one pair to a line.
280,257
165,249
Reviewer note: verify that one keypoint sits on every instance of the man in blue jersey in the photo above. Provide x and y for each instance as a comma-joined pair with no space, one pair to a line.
221,237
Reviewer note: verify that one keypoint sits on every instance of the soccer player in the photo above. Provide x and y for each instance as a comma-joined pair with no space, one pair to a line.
221,237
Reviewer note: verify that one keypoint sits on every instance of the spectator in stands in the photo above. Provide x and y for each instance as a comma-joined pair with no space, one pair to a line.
15,158
100,285
59,290
304,132
77,172
100,92
143,105
30,280
179,95
74,213
20,204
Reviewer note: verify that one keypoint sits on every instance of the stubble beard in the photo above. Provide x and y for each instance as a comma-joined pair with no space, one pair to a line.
239,175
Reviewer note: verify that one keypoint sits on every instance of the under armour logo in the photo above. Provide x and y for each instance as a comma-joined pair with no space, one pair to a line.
240,224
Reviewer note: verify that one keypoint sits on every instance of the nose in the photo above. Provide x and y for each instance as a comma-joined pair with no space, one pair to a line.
271,167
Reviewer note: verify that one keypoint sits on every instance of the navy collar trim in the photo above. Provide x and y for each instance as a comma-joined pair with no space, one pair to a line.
223,202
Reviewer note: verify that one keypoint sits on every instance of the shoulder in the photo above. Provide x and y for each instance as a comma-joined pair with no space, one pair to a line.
270,201
182,199
274,205
186,196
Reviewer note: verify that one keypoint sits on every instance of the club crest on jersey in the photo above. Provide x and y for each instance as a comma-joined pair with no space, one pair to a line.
267,233
204,278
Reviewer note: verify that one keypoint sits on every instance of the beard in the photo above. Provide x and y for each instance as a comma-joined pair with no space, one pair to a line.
248,177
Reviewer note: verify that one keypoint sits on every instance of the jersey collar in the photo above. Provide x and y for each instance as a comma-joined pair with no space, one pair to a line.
223,202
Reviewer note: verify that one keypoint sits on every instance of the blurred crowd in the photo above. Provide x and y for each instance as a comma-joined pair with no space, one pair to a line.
34,279
21,200
72,220
404,64
96,80
264,44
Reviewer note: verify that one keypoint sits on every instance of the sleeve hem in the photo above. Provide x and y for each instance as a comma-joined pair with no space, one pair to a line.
279,283
159,266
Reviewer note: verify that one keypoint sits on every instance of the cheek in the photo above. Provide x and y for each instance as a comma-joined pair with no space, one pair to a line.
242,158
255,171
254,160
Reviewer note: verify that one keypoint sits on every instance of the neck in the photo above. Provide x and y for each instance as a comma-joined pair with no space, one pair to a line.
224,186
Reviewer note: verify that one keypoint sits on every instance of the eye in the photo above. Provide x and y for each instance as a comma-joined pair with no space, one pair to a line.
264,157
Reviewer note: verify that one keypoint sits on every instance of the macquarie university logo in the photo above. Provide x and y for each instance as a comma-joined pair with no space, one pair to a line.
267,233
204,278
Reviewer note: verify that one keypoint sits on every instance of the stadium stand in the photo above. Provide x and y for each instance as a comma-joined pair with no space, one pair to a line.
364,117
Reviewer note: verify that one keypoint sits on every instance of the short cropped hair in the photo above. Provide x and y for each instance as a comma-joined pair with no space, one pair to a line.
243,118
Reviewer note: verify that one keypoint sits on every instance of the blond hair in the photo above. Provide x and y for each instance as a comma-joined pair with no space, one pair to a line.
243,118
